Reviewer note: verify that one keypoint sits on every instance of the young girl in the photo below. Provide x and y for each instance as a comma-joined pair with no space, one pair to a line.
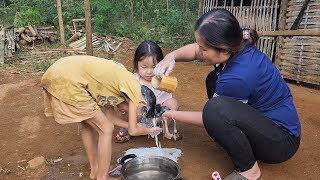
85,89
147,55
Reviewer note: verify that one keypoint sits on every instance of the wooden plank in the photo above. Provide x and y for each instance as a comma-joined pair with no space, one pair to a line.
282,25
302,53
299,47
311,20
297,58
311,12
290,33
307,79
311,63
308,26
302,72
297,8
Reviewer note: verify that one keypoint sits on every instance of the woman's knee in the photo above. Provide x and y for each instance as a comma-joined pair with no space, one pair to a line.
215,107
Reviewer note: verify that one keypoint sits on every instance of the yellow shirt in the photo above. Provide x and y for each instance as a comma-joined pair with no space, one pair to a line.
80,80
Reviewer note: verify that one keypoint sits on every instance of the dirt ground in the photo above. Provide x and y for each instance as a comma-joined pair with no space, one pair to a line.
26,133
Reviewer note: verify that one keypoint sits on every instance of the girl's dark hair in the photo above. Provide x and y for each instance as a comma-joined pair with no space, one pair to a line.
253,40
220,30
147,49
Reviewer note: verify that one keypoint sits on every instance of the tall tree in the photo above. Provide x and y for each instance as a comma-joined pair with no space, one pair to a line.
59,9
87,14
131,15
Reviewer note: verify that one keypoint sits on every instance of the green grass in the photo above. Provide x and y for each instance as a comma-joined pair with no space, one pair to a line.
42,65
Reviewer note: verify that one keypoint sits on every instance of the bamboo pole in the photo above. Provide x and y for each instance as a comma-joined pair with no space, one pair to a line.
59,9
19,31
25,37
33,32
87,13
282,25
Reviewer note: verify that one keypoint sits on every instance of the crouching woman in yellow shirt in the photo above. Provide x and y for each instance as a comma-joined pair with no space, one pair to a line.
85,89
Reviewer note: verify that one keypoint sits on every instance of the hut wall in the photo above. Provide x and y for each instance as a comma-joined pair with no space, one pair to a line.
300,55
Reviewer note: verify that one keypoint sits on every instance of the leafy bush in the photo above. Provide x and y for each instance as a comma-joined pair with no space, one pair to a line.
151,19
27,17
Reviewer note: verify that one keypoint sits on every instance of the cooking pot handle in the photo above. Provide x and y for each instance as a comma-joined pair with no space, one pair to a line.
128,156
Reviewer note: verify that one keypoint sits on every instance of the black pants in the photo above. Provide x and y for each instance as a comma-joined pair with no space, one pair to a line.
246,134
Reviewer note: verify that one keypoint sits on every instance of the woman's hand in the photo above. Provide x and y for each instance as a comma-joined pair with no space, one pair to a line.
165,67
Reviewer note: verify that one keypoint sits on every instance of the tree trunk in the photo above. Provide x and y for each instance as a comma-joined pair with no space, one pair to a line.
142,12
167,7
89,48
200,8
187,8
131,15
59,9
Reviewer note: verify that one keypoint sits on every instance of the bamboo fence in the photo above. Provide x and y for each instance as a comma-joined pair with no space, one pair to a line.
299,56
295,52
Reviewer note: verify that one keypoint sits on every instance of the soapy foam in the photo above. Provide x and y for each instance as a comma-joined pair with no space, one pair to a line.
171,153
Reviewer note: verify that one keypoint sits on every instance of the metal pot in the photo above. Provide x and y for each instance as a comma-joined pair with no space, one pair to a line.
149,167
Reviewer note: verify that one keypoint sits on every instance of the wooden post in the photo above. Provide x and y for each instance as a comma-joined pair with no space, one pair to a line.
131,15
142,11
282,26
200,11
59,9
89,48
167,7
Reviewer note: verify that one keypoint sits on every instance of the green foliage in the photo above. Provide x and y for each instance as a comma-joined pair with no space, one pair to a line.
27,17
151,19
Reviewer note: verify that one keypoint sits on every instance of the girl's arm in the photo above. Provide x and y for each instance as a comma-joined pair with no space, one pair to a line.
135,128
190,117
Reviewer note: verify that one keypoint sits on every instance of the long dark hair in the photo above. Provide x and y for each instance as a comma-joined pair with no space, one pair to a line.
220,30
146,49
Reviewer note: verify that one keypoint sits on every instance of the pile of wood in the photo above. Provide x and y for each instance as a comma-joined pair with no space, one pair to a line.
107,44
30,34
11,39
